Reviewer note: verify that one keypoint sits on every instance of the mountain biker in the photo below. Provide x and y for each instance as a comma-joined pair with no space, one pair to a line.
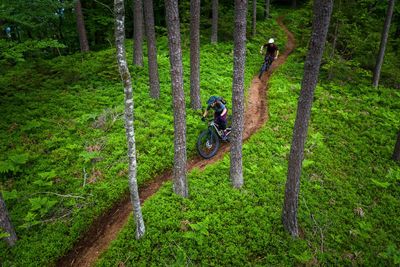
220,113
271,54
272,49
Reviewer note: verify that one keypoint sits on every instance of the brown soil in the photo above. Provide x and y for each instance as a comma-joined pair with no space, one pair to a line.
106,228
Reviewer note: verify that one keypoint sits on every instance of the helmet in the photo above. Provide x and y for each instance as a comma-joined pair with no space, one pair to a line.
271,41
211,100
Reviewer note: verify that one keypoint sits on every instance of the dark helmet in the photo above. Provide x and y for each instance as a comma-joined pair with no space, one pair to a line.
211,100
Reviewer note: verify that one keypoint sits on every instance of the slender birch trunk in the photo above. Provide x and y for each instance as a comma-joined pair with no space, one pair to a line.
175,57
382,47
138,33
195,101
152,49
5,224
322,15
239,60
129,108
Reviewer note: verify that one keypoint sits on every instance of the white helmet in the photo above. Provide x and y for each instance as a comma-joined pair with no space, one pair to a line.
271,41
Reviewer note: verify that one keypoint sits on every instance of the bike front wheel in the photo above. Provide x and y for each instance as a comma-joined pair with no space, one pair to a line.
207,144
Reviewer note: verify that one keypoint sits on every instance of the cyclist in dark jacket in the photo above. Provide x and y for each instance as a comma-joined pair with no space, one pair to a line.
220,113
271,54
272,49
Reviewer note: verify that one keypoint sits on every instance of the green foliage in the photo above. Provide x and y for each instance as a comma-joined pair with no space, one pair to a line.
65,116
3,234
356,28
10,195
392,254
345,217
13,52
13,163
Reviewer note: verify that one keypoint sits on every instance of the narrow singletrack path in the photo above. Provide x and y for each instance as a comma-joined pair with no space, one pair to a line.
106,228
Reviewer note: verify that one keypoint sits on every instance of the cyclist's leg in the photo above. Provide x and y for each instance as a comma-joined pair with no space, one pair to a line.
222,120
263,69
269,61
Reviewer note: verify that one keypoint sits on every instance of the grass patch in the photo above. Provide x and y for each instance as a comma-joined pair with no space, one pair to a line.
63,150
349,193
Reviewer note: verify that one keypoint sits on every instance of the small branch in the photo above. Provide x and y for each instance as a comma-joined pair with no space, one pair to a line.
58,218
112,12
316,224
84,176
59,195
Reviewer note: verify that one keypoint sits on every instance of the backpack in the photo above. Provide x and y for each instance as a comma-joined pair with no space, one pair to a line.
212,99
221,99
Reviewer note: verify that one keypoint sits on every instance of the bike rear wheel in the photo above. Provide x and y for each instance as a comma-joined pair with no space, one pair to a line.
207,144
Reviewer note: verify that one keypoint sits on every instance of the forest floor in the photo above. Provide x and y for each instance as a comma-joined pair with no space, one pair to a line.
106,228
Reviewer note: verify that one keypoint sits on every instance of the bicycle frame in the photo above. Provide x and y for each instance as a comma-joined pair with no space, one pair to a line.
266,65
213,126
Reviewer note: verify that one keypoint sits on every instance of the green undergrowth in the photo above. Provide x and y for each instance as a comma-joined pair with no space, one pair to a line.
63,149
349,196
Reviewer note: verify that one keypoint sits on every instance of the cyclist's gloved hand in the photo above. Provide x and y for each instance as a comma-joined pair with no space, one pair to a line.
203,118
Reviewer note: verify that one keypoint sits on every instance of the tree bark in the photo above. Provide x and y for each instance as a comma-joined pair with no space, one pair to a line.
175,57
5,224
195,101
138,33
397,34
384,37
239,60
332,55
129,108
266,10
152,49
396,152
80,25
214,26
254,26
322,14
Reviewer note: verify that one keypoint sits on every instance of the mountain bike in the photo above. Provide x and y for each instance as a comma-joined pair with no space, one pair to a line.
267,63
208,141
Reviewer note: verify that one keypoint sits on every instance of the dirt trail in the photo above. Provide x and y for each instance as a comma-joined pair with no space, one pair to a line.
106,228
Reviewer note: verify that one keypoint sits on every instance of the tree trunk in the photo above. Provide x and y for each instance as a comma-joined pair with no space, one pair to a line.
80,25
195,101
239,60
152,49
254,26
266,10
332,55
396,153
129,108
384,37
214,26
175,57
138,33
294,3
60,27
397,35
5,224
322,14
